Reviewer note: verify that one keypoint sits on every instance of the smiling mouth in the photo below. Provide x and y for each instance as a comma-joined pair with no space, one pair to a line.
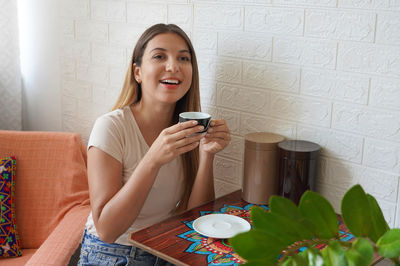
170,81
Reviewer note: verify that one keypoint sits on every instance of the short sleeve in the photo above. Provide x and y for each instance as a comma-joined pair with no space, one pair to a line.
107,136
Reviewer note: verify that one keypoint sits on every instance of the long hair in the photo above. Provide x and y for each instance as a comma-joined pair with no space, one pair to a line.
131,93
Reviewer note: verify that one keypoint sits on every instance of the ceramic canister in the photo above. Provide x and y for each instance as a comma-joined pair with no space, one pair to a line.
260,178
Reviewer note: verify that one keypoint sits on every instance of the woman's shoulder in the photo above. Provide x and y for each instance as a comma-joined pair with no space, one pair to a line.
113,126
110,132
117,116
118,121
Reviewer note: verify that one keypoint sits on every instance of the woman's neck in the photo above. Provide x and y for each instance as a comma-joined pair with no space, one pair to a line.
152,119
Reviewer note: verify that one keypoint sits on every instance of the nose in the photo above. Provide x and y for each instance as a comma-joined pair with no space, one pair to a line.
172,65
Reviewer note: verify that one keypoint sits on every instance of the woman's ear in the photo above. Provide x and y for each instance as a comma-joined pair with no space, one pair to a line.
137,73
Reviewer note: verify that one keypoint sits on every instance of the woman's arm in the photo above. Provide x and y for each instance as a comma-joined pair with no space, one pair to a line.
216,139
203,187
115,206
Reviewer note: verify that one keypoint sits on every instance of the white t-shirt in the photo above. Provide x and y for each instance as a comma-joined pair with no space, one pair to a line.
118,134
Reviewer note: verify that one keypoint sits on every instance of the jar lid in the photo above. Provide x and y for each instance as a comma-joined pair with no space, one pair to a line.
262,140
299,149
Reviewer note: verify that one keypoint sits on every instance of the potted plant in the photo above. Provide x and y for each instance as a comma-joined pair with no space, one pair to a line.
277,235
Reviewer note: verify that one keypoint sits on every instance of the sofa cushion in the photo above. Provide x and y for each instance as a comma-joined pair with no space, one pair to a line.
20,261
9,240
51,180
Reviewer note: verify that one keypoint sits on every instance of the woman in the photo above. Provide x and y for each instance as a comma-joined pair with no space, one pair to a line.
143,166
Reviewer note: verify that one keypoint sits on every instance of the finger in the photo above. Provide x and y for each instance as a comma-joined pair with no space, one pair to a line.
180,126
221,138
219,125
187,132
215,146
215,142
219,135
221,128
217,122
187,148
188,140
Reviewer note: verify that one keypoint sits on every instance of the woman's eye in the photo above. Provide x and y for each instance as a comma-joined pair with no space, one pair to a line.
185,58
158,56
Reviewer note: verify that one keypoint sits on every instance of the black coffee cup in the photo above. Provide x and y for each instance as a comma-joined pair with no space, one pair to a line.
202,118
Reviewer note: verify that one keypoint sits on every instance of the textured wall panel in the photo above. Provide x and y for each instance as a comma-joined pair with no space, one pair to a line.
372,59
10,73
247,45
272,77
335,86
218,17
348,25
334,144
385,92
275,20
307,52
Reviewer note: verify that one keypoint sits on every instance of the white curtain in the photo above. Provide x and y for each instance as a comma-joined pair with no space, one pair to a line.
10,74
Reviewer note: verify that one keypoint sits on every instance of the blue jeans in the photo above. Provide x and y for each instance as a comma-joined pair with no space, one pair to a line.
96,252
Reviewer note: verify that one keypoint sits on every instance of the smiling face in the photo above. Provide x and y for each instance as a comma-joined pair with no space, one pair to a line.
165,73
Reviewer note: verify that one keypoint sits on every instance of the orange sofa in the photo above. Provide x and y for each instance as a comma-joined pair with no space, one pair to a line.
51,194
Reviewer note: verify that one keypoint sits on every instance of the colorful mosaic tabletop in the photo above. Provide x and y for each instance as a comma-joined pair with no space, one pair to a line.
218,251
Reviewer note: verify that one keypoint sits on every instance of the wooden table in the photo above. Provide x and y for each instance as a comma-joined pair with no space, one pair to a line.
175,240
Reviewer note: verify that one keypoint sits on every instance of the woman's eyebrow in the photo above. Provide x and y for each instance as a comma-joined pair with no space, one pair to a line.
163,49
158,49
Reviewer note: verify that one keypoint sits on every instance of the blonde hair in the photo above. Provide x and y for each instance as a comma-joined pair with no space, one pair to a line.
131,93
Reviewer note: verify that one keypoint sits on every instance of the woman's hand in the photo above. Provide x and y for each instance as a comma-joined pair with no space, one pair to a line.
174,141
217,137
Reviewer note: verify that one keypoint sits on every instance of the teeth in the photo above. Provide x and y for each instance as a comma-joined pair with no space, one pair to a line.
172,81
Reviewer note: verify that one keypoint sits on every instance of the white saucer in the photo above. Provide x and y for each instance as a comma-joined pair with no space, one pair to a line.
220,225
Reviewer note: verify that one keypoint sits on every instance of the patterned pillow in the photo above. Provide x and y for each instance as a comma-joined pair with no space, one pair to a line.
9,240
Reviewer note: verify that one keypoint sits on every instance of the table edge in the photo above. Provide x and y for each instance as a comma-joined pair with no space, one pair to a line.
157,253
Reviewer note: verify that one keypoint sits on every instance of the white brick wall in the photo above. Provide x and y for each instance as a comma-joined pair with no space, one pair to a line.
305,51
87,30
327,71
145,14
336,86
281,21
385,93
271,76
340,25
247,45
214,16
109,10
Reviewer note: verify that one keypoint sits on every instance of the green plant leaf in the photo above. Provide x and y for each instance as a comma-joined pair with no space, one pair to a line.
257,245
284,207
288,262
361,253
313,256
356,211
389,244
259,217
379,225
319,211
260,263
283,228
333,254
296,260
262,220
